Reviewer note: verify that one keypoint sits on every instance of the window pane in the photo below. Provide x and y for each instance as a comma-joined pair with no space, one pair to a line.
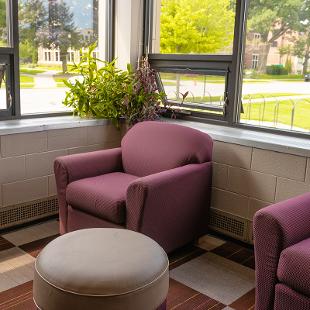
52,32
3,24
276,80
194,92
193,26
3,91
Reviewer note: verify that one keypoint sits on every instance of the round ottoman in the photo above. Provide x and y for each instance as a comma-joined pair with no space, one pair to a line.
101,268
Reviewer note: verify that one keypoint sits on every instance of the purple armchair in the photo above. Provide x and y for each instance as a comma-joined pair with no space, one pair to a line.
282,255
158,183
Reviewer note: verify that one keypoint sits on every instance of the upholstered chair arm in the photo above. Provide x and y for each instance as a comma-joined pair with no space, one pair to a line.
275,228
170,201
79,166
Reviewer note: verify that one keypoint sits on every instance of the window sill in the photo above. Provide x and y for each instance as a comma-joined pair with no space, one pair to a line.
47,123
262,140
268,141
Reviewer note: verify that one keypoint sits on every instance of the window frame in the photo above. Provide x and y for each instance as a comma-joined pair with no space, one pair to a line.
193,63
235,80
14,111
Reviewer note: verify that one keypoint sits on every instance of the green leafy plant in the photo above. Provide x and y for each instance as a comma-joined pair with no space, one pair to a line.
99,91
103,91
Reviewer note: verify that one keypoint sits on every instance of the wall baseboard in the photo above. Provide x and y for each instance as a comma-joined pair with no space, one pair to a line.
230,225
27,212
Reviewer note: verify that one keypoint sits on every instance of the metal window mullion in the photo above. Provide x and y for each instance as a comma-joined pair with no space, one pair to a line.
110,29
15,60
235,83
12,55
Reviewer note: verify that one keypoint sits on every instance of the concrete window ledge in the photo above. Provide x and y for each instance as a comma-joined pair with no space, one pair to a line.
47,123
262,140
256,139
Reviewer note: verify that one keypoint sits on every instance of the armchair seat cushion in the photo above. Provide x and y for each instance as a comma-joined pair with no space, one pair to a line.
294,267
103,196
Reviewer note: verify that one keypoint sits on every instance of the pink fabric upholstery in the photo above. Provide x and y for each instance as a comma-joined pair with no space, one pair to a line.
169,198
75,167
165,205
294,267
288,299
144,146
82,220
276,228
103,196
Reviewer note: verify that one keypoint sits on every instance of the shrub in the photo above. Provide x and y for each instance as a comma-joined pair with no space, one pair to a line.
276,70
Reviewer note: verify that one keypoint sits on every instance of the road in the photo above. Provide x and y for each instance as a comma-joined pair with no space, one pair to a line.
217,89
49,99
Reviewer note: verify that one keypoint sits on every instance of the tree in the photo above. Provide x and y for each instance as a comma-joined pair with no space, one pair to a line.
195,26
272,19
32,20
302,50
302,47
61,31
2,21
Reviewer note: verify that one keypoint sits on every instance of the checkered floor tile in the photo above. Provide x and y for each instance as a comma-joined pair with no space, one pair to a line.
214,274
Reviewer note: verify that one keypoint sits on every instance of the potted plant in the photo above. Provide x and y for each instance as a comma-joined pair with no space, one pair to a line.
103,91
99,89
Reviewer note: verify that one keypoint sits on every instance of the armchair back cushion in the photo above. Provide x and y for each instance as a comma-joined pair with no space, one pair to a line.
151,147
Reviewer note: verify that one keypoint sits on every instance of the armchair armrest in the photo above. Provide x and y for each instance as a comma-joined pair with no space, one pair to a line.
275,228
79,166
171,205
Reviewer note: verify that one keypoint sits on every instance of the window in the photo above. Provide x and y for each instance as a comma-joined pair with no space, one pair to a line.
190,43
250,74
257,36
48,30
274,93
8,63
255,58
4,37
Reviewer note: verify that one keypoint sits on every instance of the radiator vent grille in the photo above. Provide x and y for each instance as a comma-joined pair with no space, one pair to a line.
25,212
228,224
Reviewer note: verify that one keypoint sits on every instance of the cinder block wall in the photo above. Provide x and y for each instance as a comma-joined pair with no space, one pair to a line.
26,161
246,179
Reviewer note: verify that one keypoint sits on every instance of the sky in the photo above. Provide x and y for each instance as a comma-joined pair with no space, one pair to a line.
83,12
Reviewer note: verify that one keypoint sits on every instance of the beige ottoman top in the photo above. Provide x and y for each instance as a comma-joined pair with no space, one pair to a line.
101,262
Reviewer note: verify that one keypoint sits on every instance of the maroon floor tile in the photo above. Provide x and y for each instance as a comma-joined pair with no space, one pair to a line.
250,262
182,297
241,256
245,302
228,249
17,298
33,248
5,244
184,255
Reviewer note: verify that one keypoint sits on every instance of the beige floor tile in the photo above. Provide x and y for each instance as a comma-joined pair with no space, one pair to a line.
36,232
16,267
216,277
209,243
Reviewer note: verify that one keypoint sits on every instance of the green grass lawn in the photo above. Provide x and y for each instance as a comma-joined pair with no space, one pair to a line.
60,78
26,81
301,119
31,71
208,99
